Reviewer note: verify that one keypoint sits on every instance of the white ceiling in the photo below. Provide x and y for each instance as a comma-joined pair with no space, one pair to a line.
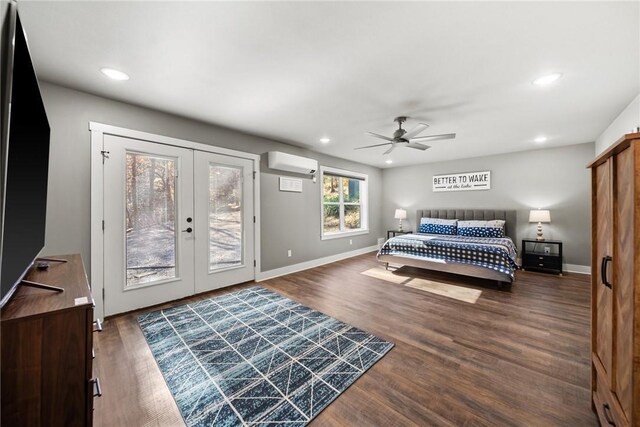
298,71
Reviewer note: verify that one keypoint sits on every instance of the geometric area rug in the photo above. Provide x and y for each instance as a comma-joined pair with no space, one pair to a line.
254,357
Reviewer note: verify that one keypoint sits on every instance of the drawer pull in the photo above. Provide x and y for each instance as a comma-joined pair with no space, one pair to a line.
97,390
540,257
541,265
93,354
97,326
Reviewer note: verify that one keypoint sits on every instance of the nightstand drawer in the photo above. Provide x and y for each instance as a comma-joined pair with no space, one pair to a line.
542,261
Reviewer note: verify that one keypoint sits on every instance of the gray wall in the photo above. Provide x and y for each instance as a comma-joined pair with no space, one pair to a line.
554,179
625,122
289,220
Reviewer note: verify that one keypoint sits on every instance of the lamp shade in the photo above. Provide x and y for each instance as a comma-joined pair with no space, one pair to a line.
401,214
539,215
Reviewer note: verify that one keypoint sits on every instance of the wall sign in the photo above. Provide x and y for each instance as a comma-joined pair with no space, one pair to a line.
466,181
290,184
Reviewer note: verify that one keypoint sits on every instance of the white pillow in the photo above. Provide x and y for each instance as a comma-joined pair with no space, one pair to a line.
496,223
438,221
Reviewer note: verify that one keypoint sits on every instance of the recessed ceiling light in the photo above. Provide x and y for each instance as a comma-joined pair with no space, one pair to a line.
388,161
114,74
540,139
546,80
325,140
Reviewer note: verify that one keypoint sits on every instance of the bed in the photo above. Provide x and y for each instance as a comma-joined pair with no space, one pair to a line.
487,258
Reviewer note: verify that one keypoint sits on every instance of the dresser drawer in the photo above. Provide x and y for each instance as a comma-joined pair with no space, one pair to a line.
607,406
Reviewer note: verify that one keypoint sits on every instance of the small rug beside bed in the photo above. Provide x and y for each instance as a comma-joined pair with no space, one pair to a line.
460,293
254,356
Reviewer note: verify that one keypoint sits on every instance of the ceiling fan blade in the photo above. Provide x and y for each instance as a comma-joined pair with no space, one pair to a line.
418,146
379,136
393,147
371,146
416,130
434,137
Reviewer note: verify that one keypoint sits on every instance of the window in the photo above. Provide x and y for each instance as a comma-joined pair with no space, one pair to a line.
344,203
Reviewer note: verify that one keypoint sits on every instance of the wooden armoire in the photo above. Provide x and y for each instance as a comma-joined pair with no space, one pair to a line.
615,287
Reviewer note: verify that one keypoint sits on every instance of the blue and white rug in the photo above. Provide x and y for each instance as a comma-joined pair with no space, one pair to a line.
254,357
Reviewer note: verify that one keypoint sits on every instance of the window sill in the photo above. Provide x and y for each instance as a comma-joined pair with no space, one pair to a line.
329,236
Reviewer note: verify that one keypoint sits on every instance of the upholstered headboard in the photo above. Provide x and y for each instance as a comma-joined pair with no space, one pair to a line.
509,216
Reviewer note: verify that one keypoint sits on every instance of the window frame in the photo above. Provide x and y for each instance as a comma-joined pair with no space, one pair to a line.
364,203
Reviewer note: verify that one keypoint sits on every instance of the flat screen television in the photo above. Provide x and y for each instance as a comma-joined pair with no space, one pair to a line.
25,160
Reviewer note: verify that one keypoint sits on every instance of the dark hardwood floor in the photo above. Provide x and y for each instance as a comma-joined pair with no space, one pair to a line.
518,357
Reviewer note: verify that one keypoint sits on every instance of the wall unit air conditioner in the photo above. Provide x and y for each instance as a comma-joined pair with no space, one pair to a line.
290,163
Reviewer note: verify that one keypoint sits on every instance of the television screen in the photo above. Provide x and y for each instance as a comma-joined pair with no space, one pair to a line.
26,163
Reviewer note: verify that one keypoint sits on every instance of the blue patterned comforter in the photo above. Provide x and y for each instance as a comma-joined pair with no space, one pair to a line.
493,253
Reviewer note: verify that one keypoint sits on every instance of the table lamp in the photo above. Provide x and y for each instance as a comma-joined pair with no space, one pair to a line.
400,214
539,216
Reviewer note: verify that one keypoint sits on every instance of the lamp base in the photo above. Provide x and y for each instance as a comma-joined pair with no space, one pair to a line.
539,235
400,226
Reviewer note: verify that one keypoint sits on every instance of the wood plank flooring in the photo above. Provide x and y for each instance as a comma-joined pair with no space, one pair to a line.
518,358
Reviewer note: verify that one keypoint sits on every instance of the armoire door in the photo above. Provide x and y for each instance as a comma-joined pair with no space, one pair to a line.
603,248
624,277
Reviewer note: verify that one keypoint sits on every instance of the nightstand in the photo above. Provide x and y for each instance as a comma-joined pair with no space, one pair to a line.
542,255
394,233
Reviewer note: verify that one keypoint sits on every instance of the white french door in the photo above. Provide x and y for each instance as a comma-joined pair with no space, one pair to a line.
177,221
224,209
148,202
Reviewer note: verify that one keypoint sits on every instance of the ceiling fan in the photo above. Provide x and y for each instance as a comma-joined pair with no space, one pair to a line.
407,139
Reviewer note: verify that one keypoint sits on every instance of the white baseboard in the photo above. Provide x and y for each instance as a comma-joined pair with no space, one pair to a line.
575,268
276,272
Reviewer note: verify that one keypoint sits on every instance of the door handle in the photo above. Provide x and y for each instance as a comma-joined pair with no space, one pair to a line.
188,230
603,270
607,409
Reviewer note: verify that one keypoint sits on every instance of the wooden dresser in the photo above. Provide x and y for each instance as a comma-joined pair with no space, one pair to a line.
47,350
615,293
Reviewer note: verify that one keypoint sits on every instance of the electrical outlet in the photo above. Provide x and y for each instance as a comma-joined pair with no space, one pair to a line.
289,253
547,249
350,242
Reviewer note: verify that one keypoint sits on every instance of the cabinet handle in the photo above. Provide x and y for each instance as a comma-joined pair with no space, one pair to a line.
607,416
97,390
603,270
98,326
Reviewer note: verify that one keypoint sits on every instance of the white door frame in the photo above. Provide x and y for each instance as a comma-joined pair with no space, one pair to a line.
98,130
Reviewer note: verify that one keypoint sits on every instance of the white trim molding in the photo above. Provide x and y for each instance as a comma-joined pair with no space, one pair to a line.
282,271
575,268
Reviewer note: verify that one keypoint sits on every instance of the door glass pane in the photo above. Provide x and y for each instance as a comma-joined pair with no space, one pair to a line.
225,216
331,218
352,216
150,218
